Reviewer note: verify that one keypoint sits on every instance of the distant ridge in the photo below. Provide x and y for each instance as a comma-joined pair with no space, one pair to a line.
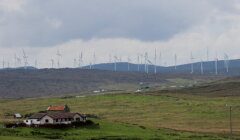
208,67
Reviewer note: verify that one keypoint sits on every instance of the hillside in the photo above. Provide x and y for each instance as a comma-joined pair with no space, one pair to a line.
53,82
219,88
208,68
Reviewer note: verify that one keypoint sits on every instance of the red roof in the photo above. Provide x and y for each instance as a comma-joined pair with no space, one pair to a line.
56,108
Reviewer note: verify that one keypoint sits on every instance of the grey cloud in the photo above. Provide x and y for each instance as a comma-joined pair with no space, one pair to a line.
146,20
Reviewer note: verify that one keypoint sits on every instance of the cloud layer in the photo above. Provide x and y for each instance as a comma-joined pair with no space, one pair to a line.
123,28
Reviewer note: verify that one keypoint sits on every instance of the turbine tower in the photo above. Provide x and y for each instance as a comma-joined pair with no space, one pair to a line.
216,64
94,60
160,58
3,63
18,61
116,59
74,63
207,54
202,72
129,60
146,62
138,59
80,60
36,63
58,57
175,61
15,60
52,63
155,65
226,62
192,61
25,59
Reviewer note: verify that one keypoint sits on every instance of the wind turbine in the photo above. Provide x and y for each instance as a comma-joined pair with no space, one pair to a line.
207,54
202,72
15,60
74,63
52,63
175,61
216,64
146,62
160,58
138,59
116,59
80,60
94,60
19,61
58,56
149,62
192,59
155,65
129,60
36,63
25,59
226,62
3,63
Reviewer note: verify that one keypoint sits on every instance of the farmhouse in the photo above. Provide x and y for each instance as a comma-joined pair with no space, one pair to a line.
54,118
55,115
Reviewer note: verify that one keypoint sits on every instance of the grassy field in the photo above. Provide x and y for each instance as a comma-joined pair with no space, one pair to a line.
144,116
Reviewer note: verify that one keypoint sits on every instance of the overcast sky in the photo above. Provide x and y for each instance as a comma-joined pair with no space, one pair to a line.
123,28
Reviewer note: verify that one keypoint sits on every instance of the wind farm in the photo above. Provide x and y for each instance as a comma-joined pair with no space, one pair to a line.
119,70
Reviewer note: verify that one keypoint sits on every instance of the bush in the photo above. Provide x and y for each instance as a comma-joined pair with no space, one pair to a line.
13,125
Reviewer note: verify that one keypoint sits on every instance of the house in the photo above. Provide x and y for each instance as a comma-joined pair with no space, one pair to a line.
63,108
54,118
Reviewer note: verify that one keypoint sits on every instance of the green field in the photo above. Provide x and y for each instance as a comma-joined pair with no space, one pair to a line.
135,116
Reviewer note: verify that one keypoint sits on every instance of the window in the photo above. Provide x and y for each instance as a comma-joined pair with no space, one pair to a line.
46,121
66,119
56,120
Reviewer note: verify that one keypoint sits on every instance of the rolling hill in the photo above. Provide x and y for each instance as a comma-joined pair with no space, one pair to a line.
208,68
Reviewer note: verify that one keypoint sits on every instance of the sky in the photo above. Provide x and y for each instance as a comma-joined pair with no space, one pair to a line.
122,28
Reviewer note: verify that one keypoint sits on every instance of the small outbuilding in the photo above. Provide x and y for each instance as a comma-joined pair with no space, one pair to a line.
17,116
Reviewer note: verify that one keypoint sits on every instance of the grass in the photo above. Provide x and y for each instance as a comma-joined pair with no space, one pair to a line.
107,130
194,117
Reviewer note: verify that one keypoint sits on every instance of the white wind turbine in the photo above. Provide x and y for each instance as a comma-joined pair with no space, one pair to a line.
226,62
52,63
19,61
80,60
138,63
146,62
216,64
36,63
175,61
3,63
58,57
192,61
116,59
202,71
129,60
155,65
94,60
15,60
74,63
160,58
25,57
